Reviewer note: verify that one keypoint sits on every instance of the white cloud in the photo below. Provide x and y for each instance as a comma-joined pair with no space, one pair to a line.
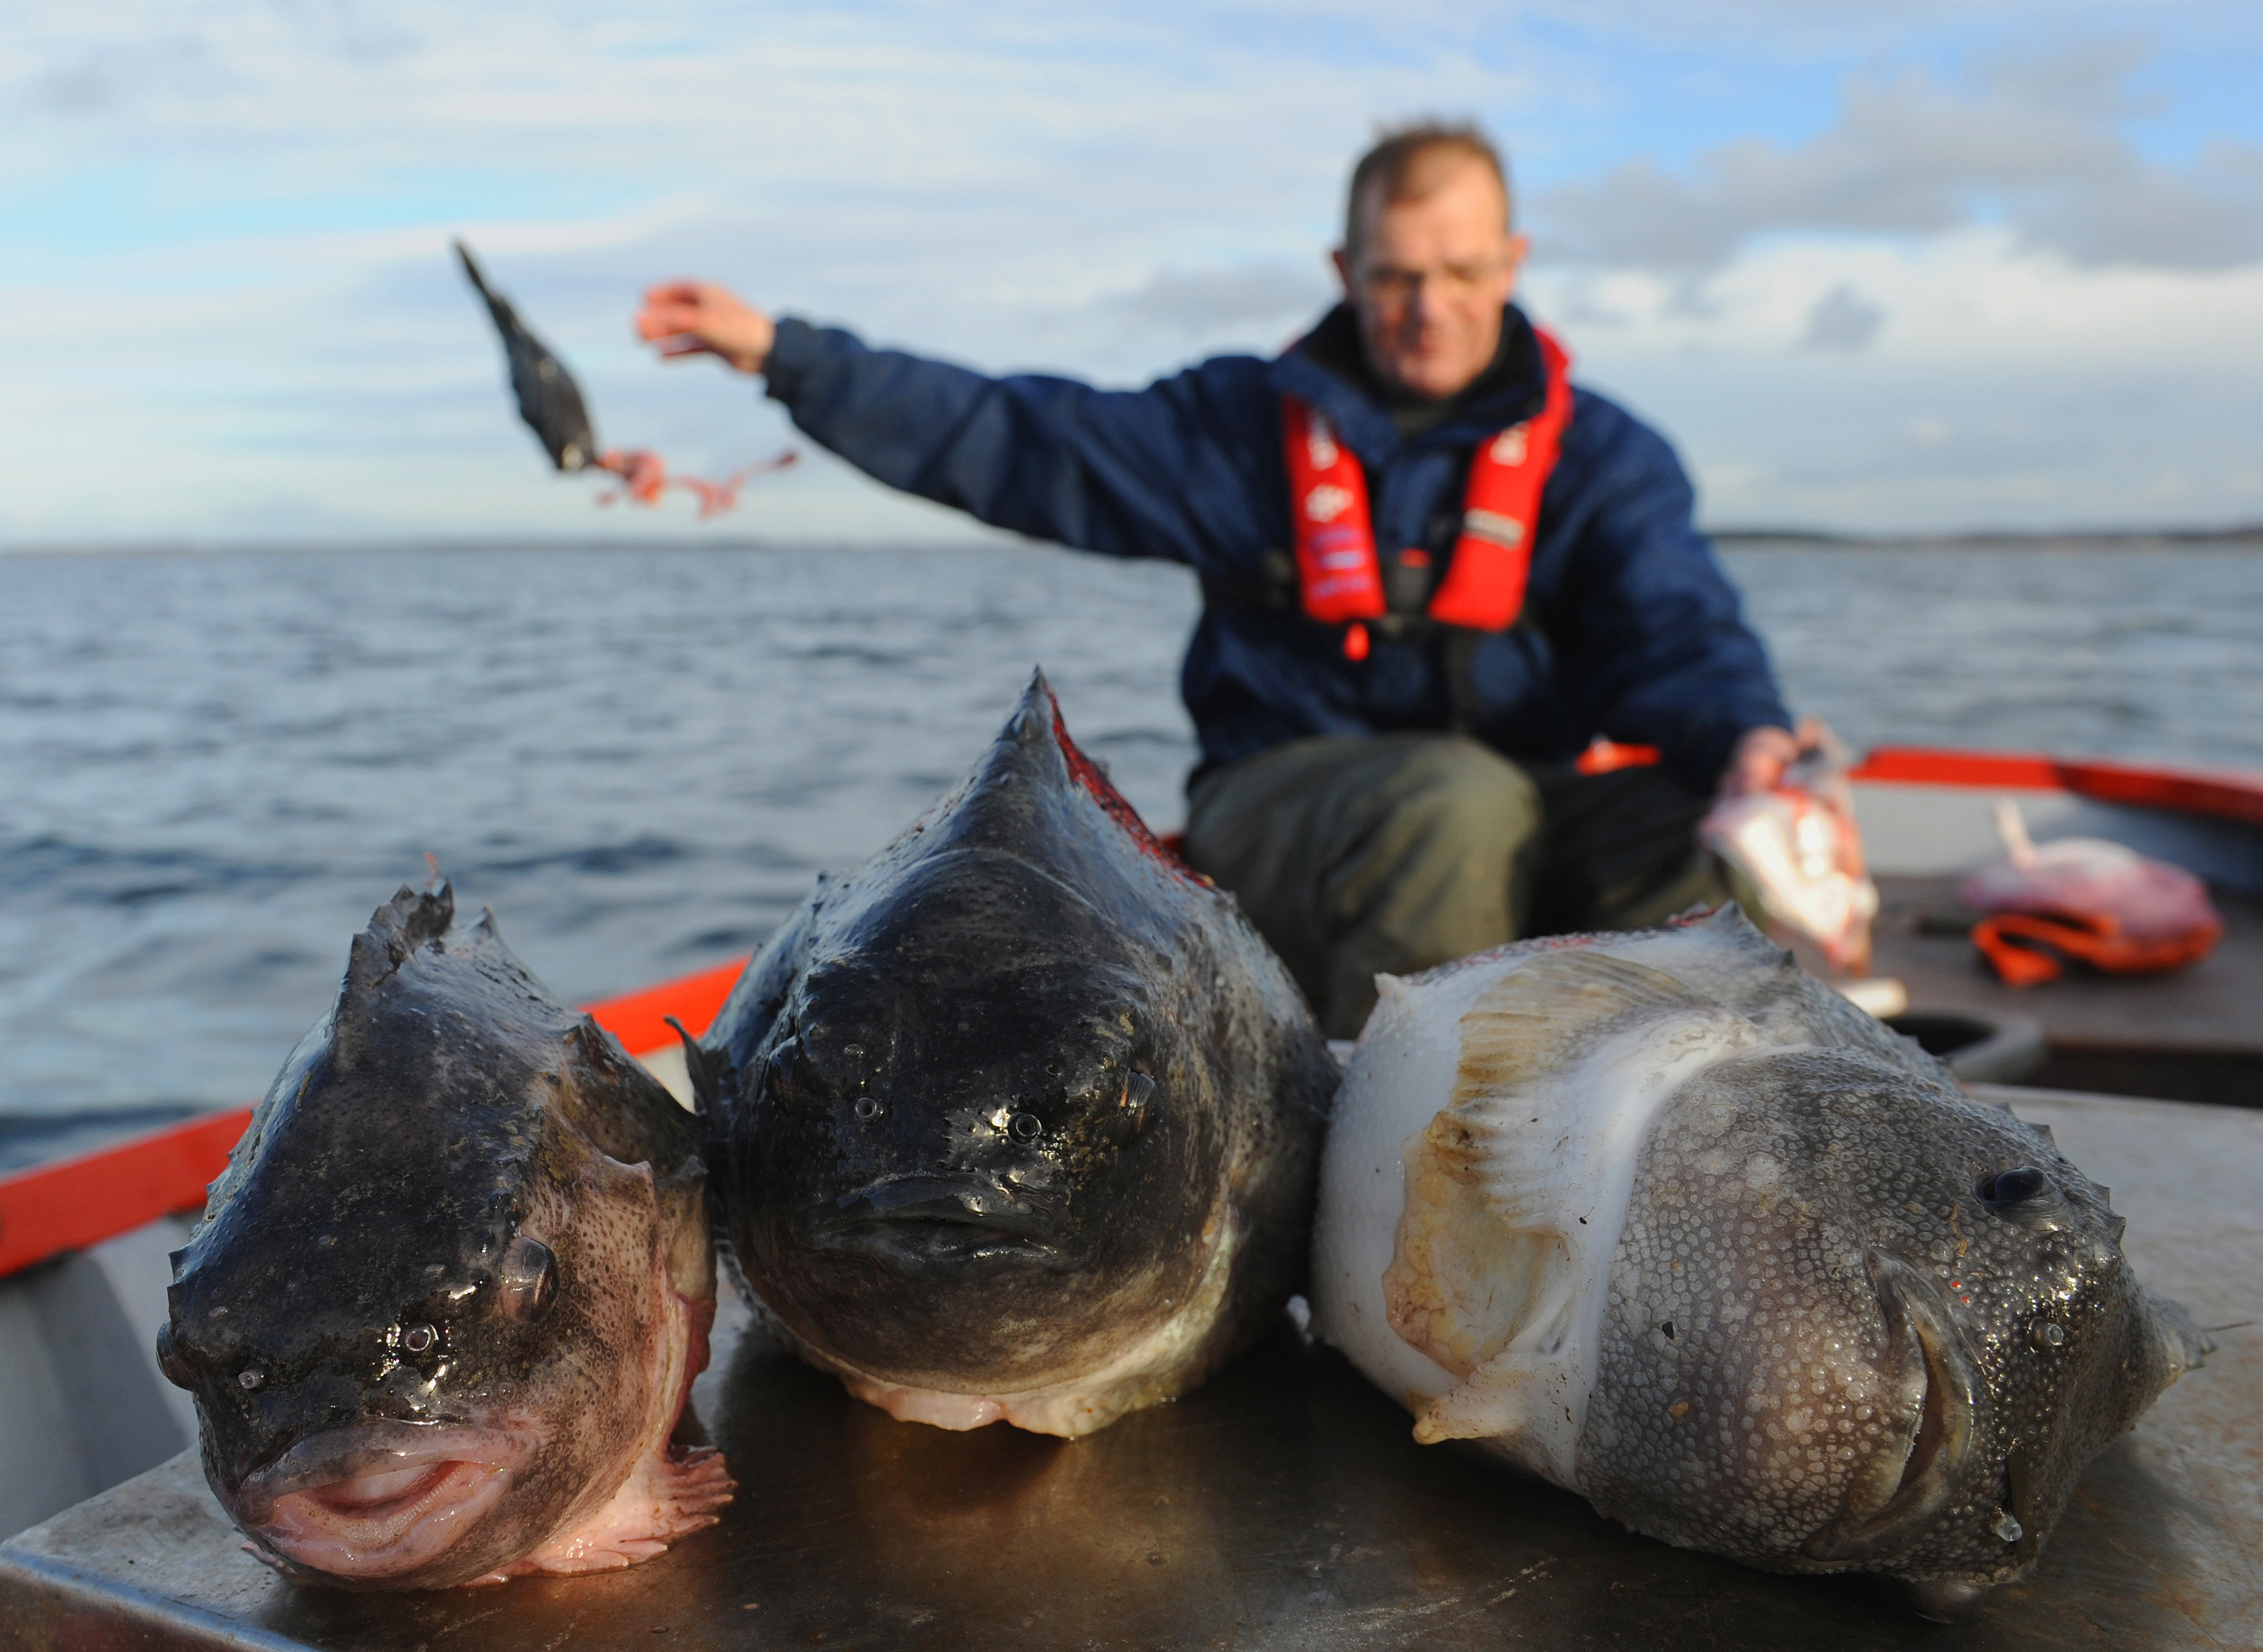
1267,293
224,274
2036,143
2021,390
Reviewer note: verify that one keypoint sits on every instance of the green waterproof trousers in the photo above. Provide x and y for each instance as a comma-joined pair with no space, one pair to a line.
1360,854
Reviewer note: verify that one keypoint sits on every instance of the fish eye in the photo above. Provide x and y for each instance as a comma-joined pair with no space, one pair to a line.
529,1277
1025,1126
2012,1187
867,1109
418,1339
251,1379
2048,1334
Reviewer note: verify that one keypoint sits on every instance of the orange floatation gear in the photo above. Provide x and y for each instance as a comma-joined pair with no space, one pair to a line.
2024,947
1339,573
2085,898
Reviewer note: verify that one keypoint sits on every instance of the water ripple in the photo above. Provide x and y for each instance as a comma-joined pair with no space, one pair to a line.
212,767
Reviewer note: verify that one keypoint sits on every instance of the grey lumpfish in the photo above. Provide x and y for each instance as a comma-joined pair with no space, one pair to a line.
1022,1118
446,1302
1659,1219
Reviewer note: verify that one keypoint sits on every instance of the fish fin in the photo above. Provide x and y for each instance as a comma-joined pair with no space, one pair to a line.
1482,1249
710,1074
1516,1190
670,1494
1535,1019
1040,709
1499,1404
1466,1278
616,1102
2184,1345
396,930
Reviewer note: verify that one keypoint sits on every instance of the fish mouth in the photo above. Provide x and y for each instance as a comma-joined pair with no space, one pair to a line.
377,1500
927,1221
1931,1380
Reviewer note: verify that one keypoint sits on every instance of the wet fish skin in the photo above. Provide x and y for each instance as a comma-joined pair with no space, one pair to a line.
1692,1236
1855,1256
1021,1119
461,1256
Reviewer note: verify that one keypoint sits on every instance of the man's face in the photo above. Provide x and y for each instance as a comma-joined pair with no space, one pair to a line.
1428,281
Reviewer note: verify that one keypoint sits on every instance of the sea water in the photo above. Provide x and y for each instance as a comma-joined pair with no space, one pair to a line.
213,766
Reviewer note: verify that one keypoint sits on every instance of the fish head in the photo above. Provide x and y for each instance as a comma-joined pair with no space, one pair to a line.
1867,1322
415,1315
983,1140
949,1159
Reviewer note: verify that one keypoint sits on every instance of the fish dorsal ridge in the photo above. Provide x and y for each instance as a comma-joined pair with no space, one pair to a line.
1517,1190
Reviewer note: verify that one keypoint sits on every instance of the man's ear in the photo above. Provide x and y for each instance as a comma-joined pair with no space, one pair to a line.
1518,246
1340,257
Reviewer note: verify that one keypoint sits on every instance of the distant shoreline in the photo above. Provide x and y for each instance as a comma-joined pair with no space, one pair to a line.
2246,538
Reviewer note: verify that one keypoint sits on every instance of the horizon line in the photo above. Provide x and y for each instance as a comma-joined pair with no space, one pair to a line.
2228,536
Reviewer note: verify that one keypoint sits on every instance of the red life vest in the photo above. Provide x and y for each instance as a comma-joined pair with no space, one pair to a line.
1339,574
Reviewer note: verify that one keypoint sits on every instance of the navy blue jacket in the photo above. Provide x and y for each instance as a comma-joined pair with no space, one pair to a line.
1630,629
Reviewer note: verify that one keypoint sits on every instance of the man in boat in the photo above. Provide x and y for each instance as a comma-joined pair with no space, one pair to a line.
1432,572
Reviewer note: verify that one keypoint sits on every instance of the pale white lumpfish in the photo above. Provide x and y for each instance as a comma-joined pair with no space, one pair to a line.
1659,1219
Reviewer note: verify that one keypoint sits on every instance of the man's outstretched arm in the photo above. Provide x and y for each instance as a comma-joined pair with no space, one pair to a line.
1160,472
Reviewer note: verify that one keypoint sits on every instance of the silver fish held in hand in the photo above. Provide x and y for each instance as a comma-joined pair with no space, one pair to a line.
1658,1218
1022,1118
446,1302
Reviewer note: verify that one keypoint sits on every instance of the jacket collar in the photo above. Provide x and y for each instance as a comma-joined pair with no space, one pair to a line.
1326,370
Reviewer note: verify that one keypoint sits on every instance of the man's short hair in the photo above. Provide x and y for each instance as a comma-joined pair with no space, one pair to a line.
1411,162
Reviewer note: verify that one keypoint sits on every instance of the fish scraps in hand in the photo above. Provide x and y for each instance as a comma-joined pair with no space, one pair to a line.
1797,845
554,410
644,478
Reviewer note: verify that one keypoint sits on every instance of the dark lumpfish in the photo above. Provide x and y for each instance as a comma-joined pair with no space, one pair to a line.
1023,1118
1658,1218
447,1300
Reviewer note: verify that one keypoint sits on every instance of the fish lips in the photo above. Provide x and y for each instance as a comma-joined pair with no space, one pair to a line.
1933,1380
372,1502
920,1223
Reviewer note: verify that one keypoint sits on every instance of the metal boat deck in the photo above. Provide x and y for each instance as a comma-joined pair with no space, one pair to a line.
1282,1505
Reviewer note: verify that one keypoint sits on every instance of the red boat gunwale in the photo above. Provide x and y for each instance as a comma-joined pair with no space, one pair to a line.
2224,793
77,1202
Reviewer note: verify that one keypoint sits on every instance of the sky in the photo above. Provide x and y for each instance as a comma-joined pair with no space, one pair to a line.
1932,268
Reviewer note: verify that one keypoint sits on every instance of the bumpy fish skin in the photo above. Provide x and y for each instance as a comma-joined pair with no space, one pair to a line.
1022,1118
445,1303
1659,1219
